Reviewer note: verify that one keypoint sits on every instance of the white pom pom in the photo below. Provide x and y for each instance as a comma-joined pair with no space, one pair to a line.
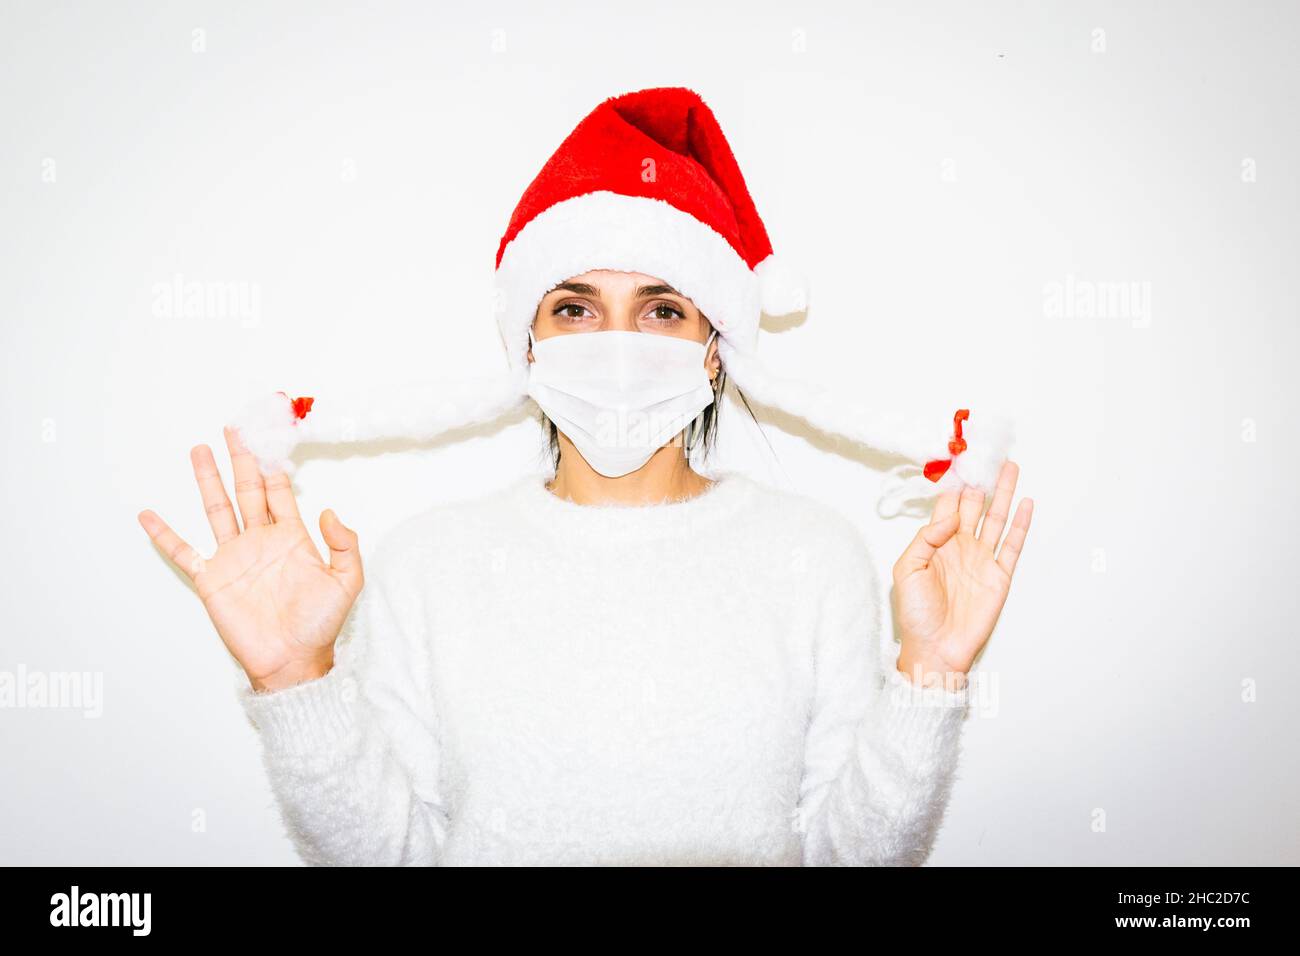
268,428
988,438
782,288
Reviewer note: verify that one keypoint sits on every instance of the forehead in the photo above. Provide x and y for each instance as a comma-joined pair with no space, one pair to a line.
615,279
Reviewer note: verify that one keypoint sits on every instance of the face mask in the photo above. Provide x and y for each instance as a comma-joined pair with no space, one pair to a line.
619,396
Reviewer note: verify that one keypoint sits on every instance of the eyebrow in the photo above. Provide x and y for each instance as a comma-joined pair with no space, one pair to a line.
582,288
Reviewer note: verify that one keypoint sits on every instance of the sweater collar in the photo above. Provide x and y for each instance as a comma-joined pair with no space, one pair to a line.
730,491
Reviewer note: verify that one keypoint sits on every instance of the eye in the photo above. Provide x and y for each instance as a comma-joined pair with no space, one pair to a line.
564,311
675,314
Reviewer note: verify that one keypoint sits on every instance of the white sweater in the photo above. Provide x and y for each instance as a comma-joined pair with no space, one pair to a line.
528,680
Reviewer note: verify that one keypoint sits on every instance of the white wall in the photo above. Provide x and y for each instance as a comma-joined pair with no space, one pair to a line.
935,168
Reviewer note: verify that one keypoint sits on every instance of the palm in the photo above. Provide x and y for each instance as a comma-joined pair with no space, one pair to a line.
277,606
952,582
271,596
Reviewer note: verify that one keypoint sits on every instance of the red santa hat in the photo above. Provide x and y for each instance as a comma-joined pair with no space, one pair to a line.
645,183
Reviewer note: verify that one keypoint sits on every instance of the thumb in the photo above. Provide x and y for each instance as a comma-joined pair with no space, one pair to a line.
345,555
929,539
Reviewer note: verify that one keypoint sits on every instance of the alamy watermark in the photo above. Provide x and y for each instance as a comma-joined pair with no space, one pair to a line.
76,908
1091,299
635,429
192,299
53,690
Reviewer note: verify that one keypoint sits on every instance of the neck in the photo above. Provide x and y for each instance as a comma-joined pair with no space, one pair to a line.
666,476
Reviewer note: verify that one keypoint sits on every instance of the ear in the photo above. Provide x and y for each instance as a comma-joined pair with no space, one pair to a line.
711,360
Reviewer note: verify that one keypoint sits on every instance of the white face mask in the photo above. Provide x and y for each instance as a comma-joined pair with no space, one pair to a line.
619,396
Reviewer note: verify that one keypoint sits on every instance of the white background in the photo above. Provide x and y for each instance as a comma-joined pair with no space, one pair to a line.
934,168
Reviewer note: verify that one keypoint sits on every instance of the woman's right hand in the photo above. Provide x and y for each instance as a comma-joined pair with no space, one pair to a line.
277,606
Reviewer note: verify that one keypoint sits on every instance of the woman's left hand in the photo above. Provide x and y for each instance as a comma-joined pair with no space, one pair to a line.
951,583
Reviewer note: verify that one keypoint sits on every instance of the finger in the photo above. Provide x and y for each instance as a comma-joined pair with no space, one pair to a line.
279,497
929,539
250,490
345,554
216,503
170,544
1015,543
970,506
945,505
996,519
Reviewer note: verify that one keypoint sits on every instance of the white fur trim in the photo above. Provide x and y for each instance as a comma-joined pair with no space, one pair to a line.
605,230
784,289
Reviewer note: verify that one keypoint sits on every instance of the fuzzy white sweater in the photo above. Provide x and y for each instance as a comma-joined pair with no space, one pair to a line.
528,680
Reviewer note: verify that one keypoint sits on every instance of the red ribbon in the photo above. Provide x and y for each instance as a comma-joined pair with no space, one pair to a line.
301,406
934,470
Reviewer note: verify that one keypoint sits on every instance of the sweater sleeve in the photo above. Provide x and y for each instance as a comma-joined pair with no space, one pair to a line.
880,752
352,757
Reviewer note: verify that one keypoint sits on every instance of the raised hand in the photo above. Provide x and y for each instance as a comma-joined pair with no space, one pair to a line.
951,583
277,606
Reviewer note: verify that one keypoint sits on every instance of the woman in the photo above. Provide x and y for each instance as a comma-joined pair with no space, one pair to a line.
625,662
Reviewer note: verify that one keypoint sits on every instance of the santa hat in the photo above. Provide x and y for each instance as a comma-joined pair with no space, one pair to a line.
645,183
